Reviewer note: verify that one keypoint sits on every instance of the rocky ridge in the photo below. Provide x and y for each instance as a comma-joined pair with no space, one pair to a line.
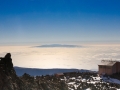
60,81
10,81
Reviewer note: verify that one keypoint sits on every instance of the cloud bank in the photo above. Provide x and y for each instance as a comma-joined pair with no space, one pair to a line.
58,45
81,58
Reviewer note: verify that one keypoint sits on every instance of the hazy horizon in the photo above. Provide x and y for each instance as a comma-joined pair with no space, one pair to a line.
87,56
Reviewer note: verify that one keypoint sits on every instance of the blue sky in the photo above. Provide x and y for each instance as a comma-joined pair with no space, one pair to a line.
59,20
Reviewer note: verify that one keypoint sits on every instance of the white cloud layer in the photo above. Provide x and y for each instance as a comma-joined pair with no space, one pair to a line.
87,57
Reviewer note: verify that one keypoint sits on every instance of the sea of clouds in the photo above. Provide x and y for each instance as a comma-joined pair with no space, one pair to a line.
61,56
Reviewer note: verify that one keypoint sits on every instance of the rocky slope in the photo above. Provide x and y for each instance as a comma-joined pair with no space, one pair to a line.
8,78
10,81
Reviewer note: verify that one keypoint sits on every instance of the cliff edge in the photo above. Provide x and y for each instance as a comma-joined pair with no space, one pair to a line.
8,78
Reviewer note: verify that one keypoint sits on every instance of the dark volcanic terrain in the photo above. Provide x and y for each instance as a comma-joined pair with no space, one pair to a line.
45,79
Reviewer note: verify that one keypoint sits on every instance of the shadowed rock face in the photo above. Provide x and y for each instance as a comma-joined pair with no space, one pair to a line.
7,63
8,78
10,81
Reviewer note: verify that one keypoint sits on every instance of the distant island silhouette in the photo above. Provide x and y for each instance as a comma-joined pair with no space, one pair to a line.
33,71
59,45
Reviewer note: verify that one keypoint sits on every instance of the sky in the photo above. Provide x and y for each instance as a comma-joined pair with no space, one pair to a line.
57,21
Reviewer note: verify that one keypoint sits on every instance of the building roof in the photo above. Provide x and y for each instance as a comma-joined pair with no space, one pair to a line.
107,63
59,74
